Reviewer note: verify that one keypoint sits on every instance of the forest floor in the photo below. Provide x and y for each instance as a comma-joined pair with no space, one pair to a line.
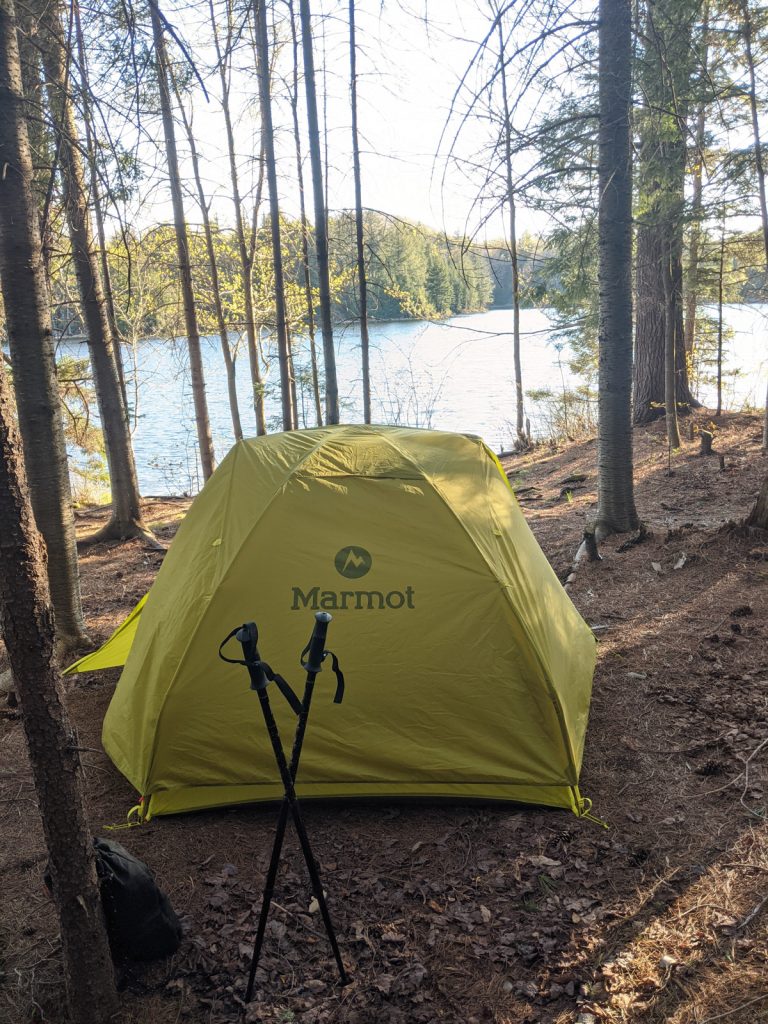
483,913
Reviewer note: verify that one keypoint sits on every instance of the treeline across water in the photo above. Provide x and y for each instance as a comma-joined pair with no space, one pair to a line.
413,272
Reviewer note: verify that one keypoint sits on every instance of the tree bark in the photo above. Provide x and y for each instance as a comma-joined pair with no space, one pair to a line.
519,406
28,633
321,225
651,318
98,211
721,268
362,284
748,30
616,503
670,402
283,342
202,421
304,225
664,76
246,261
759,515
229,363
41,144
692,288
28,325
653,239
126,519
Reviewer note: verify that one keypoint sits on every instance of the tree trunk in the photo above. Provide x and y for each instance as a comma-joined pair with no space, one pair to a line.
283,343
651,331
246,261
234,408
692,289
616,503
759,515
27,628
721,267
202,421
98,212
651,317
125,520
28,632
304,225
670,399
321,226
748,29
41,144
519,407
362,285
28,325
664,78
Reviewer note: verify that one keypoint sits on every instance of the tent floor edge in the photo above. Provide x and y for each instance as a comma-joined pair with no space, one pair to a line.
198,798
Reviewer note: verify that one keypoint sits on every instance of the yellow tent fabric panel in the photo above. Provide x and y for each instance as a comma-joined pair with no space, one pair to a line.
468,668
114,652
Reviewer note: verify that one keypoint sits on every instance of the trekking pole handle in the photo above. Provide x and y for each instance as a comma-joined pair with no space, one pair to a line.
314,662
248,636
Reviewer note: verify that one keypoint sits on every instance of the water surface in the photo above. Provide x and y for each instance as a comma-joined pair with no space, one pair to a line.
453,375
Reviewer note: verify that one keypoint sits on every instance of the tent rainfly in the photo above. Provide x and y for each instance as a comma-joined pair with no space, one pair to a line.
468,668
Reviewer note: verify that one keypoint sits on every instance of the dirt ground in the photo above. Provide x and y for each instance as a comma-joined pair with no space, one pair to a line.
475,913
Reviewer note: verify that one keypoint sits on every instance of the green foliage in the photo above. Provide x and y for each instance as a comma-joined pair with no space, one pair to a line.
413,272
569,414
533,255
90,479
571,292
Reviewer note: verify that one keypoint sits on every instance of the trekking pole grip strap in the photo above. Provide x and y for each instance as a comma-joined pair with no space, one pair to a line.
260,672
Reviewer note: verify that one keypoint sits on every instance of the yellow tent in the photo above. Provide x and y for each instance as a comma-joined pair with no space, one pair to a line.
468,669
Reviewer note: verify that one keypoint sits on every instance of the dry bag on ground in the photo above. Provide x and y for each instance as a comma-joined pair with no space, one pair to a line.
141,923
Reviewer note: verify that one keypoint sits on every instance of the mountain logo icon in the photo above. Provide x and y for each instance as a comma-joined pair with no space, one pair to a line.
353,562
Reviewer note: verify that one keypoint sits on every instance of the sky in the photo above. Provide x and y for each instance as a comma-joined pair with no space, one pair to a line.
409,68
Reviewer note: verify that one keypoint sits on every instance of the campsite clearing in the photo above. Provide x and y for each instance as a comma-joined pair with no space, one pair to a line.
470,912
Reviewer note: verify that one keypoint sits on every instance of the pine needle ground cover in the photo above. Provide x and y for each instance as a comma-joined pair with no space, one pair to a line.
470,913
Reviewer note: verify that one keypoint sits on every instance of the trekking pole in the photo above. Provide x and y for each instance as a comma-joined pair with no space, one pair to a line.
315,651
261,674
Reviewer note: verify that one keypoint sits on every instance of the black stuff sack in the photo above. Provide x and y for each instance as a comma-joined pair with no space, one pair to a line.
141,923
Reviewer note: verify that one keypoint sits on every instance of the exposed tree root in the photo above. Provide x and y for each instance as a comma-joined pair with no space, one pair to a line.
595,534
121,531
641,534
587,547
758,517
70,647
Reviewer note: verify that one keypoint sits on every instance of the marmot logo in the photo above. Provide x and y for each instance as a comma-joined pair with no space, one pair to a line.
352,562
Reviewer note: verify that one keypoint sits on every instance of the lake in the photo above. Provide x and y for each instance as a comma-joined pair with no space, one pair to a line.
453,375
